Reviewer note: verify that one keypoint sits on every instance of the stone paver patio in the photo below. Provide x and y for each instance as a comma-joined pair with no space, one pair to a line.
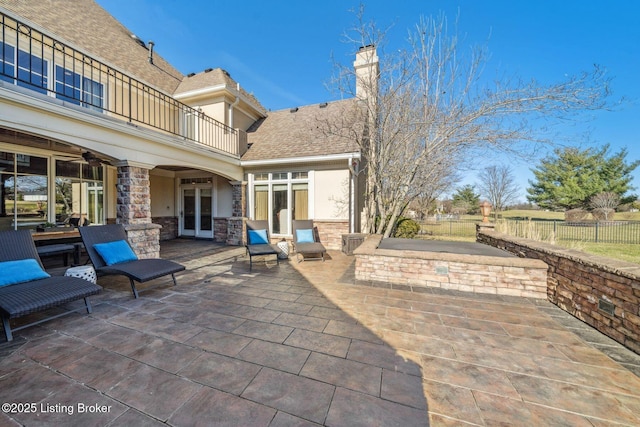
301,344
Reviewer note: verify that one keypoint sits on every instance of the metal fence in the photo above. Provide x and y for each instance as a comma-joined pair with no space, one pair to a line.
617,232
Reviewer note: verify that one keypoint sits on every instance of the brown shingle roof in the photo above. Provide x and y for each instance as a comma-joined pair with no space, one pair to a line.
301,133
213,77
86,25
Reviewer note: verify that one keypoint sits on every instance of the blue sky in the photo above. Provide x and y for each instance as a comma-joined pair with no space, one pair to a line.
281,50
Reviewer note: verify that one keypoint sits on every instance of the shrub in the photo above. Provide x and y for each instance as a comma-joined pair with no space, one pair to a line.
603,214
576,215
406,228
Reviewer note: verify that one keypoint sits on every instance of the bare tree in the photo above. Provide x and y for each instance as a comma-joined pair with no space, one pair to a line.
604,205
426,110
497,184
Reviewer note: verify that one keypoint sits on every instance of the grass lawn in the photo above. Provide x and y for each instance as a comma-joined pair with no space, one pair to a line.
465,231
629,253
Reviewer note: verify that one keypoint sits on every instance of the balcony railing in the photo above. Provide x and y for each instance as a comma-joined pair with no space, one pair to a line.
36,61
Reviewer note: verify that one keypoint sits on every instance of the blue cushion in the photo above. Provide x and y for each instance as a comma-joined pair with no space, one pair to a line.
115,252
305,236
23,270
258,237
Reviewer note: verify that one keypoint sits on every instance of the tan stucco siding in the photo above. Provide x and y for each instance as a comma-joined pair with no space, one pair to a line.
331,194
162,196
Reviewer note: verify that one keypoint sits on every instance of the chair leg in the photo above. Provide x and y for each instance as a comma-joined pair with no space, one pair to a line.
173,276
133,288
7,328
88,304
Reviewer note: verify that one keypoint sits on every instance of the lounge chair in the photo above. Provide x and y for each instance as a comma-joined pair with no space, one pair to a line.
305,240
111,254
26,288
258,241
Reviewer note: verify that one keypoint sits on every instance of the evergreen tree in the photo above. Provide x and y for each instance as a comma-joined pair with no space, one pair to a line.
466,200
570,177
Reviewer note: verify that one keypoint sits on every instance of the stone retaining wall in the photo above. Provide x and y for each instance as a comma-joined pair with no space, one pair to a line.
602,292
413,270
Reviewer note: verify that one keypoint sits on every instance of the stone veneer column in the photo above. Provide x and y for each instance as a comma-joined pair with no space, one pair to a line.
133,209
235,224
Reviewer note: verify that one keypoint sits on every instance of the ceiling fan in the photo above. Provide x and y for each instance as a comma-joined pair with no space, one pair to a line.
92,159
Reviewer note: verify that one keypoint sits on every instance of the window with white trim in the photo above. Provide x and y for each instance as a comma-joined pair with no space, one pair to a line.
280,198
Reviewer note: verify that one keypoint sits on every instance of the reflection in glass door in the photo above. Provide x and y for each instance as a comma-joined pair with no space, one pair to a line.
197,212
189,212
206,212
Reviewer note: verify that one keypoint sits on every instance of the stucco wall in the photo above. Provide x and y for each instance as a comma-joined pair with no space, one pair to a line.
224,202
602,292
331,194
162,196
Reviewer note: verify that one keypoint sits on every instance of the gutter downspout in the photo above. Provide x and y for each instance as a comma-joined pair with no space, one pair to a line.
352,208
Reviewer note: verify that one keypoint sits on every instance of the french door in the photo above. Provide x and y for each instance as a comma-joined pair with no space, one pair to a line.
196,217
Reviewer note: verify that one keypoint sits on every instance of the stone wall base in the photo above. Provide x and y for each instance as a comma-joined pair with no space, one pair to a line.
169,228
235,231
220,229
144,239
331,232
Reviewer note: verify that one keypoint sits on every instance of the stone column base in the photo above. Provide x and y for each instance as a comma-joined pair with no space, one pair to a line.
235,231
144,239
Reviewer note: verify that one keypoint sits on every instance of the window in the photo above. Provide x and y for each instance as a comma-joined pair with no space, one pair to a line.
79,193
24,190
32,72
71,87
7,62
280,198
31,69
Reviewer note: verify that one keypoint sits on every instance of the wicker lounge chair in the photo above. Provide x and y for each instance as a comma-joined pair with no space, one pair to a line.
19,254
305,240
258,241
137,270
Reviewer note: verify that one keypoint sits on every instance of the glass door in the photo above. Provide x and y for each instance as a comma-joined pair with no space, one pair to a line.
197,212
205,204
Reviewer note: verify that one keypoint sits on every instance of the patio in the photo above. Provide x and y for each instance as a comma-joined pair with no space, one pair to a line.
301,344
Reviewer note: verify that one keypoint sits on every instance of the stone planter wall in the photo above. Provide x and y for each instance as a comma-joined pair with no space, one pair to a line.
602,292
416,270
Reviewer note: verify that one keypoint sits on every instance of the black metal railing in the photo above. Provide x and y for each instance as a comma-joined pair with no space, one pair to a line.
615,232
31,59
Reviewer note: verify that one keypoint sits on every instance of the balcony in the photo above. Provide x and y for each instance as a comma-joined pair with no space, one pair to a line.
32,59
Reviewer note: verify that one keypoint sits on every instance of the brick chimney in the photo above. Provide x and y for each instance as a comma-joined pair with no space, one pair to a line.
367,71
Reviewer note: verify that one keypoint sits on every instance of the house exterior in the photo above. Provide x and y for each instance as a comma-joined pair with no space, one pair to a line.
102,128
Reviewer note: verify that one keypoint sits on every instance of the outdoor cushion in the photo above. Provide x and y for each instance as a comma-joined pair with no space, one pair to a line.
24,270
115,252
258,237
304,236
